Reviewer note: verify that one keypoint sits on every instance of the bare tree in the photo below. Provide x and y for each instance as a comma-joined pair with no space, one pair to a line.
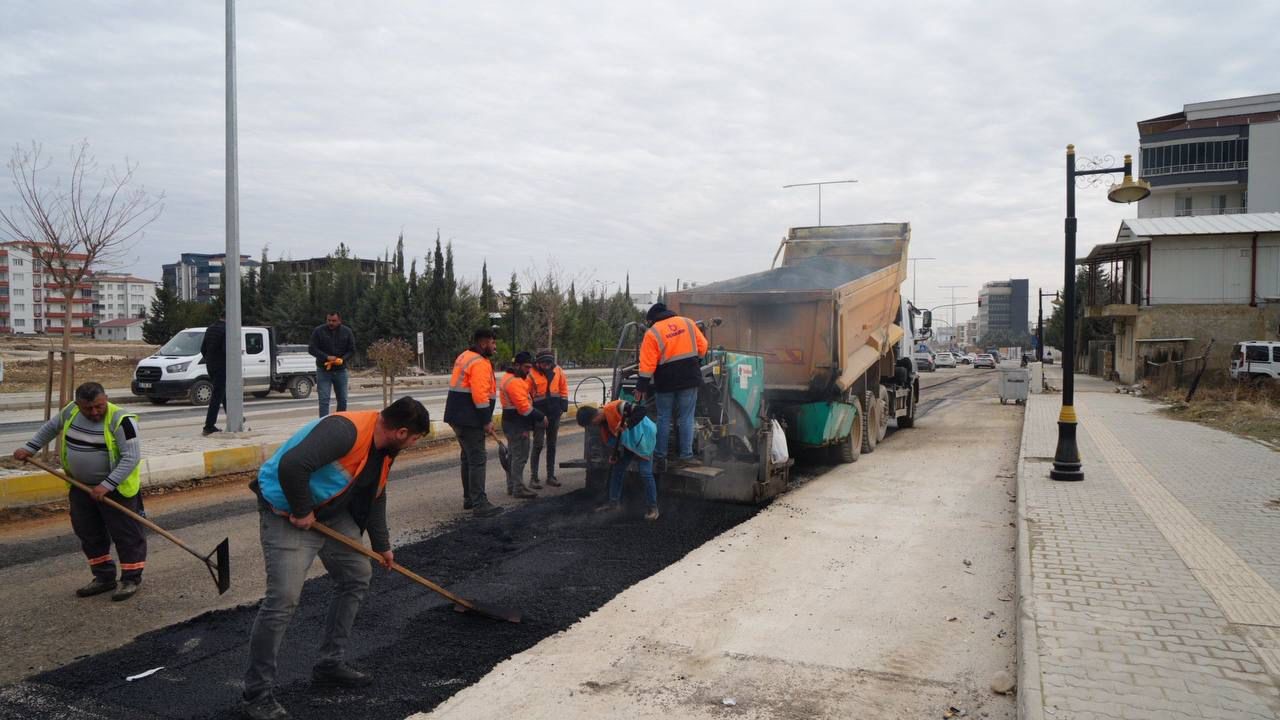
75,228
547,299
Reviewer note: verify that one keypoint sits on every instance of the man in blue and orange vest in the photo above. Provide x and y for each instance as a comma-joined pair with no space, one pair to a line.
671,366
551,397
519,418
468,409
333,470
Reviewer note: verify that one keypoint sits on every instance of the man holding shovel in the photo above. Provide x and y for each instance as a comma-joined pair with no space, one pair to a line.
98,445
519,418
333,470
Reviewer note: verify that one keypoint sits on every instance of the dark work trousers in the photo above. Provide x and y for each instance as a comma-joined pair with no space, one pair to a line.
517,434
99,525
545,435
218,376
473,457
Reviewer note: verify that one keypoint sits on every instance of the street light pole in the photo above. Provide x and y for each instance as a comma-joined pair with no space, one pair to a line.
811,184
231,263
1066,457
913,261
952,288
1040,324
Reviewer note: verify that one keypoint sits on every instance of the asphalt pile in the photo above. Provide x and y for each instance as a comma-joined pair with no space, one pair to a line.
554,560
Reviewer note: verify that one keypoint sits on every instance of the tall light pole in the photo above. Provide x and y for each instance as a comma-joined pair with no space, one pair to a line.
1040,325
953,289
231,264
1066,457
819,184
913,261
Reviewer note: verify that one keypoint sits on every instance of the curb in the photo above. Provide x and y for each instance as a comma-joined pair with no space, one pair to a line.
1030,680
162,470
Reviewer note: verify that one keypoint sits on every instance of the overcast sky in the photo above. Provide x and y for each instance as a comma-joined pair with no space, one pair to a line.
646,137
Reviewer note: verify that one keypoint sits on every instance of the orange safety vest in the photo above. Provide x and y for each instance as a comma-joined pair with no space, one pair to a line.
473,374
612,420
676,338
545,387
334,479
514,394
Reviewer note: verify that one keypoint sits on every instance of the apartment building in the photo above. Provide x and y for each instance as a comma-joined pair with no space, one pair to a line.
31,300
1002,306
198,276
121,296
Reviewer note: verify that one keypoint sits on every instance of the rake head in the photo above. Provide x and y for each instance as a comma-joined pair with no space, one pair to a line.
219,563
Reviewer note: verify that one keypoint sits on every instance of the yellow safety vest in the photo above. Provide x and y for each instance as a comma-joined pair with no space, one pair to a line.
129,487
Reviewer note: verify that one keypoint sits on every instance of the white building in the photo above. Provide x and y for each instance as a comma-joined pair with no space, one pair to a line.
34,299
121,296
119,330
17,290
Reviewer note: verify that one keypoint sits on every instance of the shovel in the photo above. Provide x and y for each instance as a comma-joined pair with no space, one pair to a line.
504,455
496,613
218,561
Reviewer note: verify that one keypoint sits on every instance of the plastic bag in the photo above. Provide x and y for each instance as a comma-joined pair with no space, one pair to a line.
778,452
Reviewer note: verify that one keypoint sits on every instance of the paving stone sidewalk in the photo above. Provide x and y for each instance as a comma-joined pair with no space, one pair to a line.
1150,589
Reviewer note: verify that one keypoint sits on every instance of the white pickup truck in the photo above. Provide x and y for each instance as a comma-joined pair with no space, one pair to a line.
177,369
1255,360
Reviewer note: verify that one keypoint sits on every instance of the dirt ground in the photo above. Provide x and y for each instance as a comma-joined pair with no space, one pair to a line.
26,369
1251,410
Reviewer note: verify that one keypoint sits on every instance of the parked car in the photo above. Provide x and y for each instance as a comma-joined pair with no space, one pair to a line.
964,358
177,369
924,362
1255,360
944,359
984,360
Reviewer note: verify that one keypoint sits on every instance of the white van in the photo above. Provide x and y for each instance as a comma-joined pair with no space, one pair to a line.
177,369
1255,359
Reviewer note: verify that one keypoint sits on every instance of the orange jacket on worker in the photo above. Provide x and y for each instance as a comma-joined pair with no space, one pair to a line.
550,394
670,354
516,394
472,391
612,426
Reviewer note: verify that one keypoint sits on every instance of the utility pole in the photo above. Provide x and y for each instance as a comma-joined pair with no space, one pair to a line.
231,263
953,289
1040,324
913,262
810,184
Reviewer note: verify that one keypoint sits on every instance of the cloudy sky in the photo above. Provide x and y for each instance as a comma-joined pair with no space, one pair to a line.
646,137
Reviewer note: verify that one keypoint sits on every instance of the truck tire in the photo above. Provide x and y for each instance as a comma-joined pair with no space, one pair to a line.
850,448
300,387
260,393
909,420
882,429
158,401
870,422
201,392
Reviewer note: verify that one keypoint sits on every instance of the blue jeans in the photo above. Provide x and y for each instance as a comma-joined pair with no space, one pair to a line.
644,466
337,379
683,402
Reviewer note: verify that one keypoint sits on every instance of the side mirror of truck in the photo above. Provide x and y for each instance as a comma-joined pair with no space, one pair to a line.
926,319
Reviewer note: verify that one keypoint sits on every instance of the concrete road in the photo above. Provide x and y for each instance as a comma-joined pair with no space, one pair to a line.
882,589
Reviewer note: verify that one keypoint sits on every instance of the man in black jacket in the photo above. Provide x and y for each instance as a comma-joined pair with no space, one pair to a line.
214,350
332,345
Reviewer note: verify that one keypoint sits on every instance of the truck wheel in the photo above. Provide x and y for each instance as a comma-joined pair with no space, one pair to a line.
300,387
201,392
909,420
870,422
883,427
850,448
261,393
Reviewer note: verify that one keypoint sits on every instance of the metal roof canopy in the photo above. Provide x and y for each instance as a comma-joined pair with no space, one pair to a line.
1245,223
1163,340
1112,251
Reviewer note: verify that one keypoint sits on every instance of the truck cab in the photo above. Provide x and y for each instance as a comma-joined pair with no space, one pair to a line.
177,370
1255,360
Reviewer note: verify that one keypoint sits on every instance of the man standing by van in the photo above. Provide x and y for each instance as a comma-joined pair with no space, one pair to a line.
214,350
332,345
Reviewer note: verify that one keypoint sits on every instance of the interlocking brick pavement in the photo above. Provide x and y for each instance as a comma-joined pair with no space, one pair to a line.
1150,589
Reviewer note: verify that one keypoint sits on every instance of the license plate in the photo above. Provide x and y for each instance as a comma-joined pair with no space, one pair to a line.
144,386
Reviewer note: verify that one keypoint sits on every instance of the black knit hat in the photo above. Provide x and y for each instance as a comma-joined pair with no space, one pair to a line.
656,312
546,356
523,358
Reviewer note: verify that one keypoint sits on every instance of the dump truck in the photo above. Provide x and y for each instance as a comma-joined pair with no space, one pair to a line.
817,348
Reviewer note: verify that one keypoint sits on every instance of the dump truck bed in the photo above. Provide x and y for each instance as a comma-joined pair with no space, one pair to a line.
821,319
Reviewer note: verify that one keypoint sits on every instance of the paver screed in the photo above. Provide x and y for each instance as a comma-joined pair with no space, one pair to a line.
1152,583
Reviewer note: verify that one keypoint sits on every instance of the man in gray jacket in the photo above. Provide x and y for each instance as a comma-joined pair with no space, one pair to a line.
98,445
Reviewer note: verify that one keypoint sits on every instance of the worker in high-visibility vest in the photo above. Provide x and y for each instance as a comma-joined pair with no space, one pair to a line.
671,367
519,417
551,396
98,445
468,408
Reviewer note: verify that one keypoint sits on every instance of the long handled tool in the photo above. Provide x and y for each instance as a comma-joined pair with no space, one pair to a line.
487,610
218,561
504,455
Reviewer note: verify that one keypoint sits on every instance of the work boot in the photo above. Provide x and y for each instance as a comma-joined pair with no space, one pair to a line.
263,707
97,587
652,514
486,509
467,504
534,484
609,507
524,493
338,674
553,482
128,588
209,431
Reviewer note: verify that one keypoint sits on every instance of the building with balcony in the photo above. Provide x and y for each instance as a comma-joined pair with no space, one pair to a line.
34,299
370,269
121,296
1213,158
198,276
1002,307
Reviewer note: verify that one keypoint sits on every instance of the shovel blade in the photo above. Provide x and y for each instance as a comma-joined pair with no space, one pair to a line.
489,611
219,562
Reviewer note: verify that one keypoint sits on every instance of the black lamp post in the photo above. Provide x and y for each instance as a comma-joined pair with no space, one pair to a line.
1040,325
1066,458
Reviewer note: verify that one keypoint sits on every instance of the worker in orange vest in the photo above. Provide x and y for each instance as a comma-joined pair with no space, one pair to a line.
551,397
519,418
671,367
468,409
